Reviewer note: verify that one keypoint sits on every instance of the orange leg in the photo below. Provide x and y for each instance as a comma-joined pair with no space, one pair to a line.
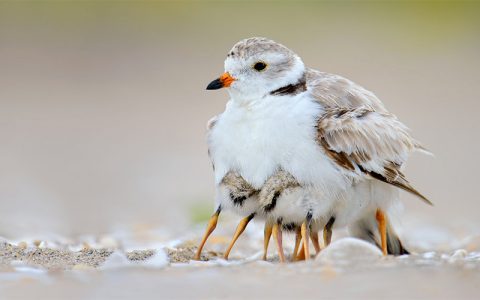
382,227
327,232
240,228
316,244
277,235
298,239
266,238
327,237
301,254
212,223
305,236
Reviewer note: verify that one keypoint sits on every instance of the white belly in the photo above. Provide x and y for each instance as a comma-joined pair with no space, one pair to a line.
273,133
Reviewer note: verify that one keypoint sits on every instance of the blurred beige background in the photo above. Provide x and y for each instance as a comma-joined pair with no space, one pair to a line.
103,104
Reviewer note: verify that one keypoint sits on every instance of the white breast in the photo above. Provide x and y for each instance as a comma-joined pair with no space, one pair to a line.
271,133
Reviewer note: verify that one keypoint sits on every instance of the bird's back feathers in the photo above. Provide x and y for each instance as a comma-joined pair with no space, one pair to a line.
359,134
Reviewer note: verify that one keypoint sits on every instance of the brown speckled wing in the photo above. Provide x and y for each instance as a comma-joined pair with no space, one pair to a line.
358,133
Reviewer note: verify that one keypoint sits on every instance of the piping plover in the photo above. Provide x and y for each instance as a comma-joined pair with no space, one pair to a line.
330,134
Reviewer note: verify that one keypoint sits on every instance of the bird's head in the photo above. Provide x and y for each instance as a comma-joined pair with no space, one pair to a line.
255,67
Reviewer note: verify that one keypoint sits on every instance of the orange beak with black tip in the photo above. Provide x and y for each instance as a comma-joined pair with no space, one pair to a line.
223,81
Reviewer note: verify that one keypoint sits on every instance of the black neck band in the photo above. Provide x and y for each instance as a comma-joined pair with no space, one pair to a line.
291,89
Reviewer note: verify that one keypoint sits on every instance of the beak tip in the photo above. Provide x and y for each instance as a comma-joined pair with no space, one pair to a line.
215,85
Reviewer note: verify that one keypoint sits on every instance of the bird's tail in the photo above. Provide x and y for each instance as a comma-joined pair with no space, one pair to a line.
367,229
420,148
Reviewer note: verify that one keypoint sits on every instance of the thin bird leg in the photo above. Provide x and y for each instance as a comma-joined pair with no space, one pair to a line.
316,244
327,232
266,238
277,236
298,239
212,223
305,231
240,228
382,228
301,253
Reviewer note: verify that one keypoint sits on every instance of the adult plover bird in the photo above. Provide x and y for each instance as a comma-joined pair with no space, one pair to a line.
326,132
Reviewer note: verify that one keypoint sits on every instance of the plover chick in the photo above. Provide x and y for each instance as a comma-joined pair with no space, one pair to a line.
298,208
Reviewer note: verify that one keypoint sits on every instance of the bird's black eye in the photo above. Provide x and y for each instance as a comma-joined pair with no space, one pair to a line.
260,66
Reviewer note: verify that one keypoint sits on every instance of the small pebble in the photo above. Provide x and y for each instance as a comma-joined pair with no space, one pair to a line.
429,254
460,253
22,245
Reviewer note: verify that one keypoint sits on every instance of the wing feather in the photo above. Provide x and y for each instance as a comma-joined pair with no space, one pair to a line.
359,134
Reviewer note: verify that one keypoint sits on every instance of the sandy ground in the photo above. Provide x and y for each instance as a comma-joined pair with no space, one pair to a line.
348,268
